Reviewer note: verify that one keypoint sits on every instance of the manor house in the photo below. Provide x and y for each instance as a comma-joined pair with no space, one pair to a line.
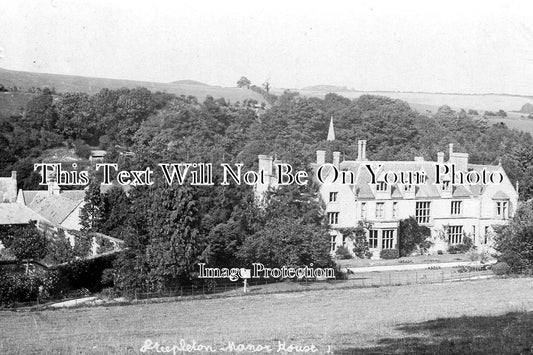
450,209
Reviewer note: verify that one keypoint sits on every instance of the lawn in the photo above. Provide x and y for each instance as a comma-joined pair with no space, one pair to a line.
489,316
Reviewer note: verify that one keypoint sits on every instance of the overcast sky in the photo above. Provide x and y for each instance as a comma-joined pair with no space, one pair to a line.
462,46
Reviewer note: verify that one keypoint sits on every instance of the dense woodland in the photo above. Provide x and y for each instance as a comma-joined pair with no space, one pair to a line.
169,229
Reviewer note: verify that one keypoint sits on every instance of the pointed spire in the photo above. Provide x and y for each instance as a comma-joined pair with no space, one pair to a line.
331,132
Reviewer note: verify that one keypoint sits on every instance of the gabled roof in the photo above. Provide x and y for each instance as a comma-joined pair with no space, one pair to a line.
16,213
54,208
363,190
500,195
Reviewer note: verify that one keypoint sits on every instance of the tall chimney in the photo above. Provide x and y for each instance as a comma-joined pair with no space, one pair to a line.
265,164
440,157
320,157
14,175
337,159
53,188
359,150
363,150
451,151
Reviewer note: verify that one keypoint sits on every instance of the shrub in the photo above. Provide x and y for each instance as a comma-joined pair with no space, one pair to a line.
412,236
389,254
82,149
343,253
20,286
461,248
358,237
501,268
514,241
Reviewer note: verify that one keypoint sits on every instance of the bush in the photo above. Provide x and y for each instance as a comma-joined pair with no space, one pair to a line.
343,253
19,286
82,149
501,268
412,236
389,254
461,248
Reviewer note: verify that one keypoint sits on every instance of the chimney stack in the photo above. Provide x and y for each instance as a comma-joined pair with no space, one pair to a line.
53,188
265,164
14,175
321,157
419,159
337,159
451,151
440,157
361,149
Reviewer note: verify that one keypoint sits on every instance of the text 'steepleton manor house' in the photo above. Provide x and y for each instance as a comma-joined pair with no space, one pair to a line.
451,211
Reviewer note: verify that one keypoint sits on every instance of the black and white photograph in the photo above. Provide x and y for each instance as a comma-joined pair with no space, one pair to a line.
280,177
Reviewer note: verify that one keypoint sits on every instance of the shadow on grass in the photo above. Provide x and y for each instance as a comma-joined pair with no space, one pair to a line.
511,333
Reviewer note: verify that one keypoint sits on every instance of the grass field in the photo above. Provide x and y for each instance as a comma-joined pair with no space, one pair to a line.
68,83
476,317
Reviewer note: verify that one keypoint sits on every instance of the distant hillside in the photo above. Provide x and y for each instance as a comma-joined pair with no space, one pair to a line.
70,83
457,101
189,82
325,88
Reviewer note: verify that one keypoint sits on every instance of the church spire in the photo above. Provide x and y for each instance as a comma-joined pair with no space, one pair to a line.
331,132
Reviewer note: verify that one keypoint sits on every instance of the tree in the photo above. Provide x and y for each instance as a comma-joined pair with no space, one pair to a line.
92,214
288,242
244,82
26,242
515,240
359,239
411,235
175,243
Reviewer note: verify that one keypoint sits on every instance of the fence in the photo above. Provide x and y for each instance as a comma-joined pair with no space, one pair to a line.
219,288
223,288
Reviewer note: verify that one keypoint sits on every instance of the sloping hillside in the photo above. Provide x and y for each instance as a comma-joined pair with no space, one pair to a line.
70,83
428,100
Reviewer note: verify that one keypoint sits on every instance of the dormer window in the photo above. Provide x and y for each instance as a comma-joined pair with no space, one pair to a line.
333,196
446,186
381,186
408,187
502,209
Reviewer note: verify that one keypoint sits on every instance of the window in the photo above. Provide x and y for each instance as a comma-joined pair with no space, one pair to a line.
446,186
387,239
333,243
456,207
333,217
408,188
395,210
486,236
455,234
381,186
422,212
380,210
372,238
333,196
501,209
474,234
344,241
363,210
